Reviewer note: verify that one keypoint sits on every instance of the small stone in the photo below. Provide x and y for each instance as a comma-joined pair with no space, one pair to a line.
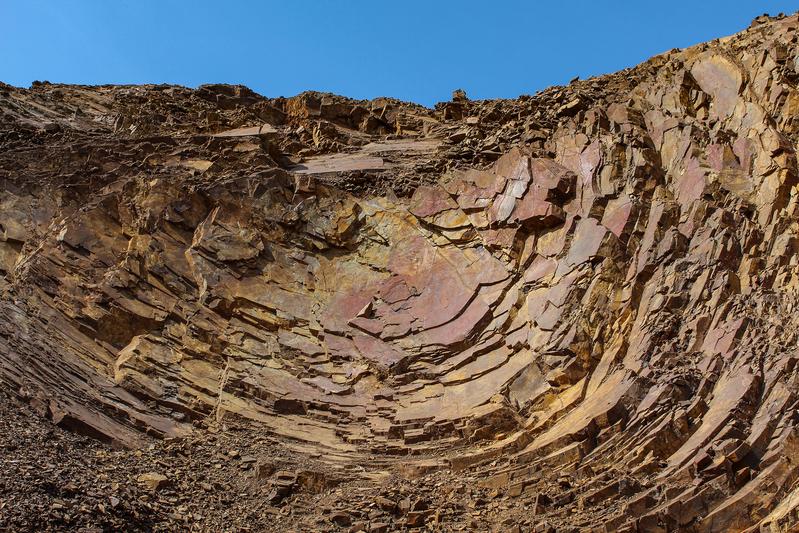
358,527
341,519
378,527
385,504
153,481
416,518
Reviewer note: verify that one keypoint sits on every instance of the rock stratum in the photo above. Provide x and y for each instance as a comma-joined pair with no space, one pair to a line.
570,311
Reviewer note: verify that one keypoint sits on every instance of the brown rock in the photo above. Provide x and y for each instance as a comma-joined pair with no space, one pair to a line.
153,481
579,304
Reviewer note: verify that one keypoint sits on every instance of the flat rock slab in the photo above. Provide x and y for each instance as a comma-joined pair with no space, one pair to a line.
326,164
248,131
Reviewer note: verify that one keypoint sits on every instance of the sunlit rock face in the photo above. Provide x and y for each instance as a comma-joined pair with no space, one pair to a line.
599,281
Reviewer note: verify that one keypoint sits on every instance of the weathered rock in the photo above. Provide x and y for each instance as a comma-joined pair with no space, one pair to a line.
584,300
153,480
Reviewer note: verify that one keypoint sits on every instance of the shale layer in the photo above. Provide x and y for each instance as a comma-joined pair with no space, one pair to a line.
574,310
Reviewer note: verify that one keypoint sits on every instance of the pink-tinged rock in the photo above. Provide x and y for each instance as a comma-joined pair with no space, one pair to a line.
549,317
463,326
569,156
300,343
585,244
559,293
538,207
720,157
692,183
590,158
540,268
344,307
475,189
501,209
339,346
430,200
743,149
444,296
396,324
382,354
514,165
617,215
721,79
501,238
548,174
728,169
658,125
395,290
441,291
536,213
722,339
371,326
536,302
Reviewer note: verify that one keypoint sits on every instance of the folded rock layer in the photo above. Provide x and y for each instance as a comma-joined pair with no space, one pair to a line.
586,297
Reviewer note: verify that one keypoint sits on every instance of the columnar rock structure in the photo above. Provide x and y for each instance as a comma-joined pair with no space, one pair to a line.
598,282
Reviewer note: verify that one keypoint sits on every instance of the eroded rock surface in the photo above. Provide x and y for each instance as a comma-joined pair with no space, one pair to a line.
583,301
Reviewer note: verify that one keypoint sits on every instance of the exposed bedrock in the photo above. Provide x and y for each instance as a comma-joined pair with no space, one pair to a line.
598,282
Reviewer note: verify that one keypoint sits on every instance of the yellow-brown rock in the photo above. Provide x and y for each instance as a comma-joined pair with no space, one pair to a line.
586,298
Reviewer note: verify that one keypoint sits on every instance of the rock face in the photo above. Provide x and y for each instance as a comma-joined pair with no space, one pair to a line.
584,299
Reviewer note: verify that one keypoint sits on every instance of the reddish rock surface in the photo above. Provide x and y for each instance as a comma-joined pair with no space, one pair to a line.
569,311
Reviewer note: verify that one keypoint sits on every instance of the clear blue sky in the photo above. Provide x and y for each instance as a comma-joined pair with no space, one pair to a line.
410,49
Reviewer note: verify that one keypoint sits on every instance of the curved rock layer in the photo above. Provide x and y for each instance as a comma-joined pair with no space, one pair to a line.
586,297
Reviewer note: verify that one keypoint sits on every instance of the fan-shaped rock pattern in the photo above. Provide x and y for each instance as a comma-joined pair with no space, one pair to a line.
597,283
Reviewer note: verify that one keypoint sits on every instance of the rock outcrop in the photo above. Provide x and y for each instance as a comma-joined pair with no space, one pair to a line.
585,300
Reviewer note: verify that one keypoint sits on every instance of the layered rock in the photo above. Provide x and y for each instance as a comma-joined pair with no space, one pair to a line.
597,282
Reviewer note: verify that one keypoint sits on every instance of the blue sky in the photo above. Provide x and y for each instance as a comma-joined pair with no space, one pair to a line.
410,49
